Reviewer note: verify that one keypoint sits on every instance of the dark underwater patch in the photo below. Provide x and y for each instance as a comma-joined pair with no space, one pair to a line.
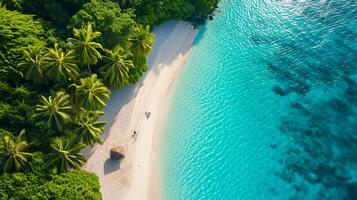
316,62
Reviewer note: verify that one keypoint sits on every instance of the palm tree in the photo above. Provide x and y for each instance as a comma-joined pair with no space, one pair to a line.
117,67
89,128
34,65
84,46
91,93
141,41
55,110
62,64
66,154
13,153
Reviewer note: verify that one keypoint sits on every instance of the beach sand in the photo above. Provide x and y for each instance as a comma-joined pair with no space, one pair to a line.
137,176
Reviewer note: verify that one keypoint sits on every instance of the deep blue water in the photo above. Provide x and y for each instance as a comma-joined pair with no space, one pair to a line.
265,107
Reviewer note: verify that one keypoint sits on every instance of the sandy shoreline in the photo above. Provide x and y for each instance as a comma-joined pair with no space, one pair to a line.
138,175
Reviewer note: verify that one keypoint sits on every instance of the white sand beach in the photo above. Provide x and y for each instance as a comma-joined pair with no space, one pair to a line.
138,175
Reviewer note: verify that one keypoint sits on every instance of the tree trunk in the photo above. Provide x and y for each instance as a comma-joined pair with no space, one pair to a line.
90,72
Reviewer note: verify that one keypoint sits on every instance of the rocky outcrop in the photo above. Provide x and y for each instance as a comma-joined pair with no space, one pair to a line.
117,153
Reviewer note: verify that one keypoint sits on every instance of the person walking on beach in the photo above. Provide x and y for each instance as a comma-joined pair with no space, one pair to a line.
134,134
147,114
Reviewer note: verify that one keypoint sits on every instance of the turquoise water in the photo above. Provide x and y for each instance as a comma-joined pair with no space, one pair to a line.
265,107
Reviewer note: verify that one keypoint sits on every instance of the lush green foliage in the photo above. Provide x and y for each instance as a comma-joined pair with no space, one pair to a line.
66,154
117,67
55,110
57,12
141,41
62,64
16,107
91,93
57,60
153,11
68,186
148,12
13,152
34,65
17,31
107,18
89,128
84,45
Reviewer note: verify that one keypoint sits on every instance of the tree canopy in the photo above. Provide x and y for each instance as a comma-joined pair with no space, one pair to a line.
91,94
84,45
17,32
58,60
13,152
107,18
70,185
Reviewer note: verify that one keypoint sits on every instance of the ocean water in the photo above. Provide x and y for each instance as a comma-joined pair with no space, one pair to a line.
266,105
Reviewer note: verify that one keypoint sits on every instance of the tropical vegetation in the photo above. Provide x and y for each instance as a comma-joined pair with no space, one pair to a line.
66,154
69,185
116,69
58,62
91,93
54,110
13,152
84,45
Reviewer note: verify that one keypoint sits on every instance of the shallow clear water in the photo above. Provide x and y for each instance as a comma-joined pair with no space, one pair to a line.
263,81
